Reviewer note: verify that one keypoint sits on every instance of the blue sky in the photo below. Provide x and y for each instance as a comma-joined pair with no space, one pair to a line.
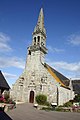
62,22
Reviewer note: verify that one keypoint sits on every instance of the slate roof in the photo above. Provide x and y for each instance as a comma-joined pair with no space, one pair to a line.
76,86
64,80
3,82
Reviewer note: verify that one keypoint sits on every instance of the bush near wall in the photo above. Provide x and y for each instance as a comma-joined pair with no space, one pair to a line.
41,99
68,104
77,98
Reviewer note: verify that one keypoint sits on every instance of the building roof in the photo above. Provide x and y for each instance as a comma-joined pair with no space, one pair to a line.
61,79
3,82
76,86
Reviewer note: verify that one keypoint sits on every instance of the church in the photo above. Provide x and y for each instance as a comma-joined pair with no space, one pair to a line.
38,77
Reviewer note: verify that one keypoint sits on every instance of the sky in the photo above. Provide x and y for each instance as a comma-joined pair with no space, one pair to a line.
62,22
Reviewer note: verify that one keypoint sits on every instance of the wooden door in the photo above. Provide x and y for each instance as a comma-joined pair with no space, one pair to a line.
31,98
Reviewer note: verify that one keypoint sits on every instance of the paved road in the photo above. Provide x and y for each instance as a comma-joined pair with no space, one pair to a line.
27,112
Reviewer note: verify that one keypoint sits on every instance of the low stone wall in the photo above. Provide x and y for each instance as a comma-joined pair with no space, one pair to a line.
5,107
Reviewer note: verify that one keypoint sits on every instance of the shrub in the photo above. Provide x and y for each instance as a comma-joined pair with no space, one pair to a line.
77,98
47,104
41,99
59,109
72,101
1,99
10,101
68,104
6,96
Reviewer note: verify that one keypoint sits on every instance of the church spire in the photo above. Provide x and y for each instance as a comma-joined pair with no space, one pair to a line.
39,35
40,24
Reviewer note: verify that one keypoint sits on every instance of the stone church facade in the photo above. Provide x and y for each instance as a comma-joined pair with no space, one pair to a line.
38,77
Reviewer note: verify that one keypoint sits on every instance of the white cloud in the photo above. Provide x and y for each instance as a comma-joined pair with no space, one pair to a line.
10,76
71,70
4,39
74,39
51,49
12,62
67,66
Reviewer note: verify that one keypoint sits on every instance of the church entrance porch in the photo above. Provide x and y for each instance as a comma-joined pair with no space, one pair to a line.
31,97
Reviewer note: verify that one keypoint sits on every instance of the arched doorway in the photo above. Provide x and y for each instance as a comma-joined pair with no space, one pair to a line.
31,97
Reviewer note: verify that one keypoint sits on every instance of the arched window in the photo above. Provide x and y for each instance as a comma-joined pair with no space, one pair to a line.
29,52
40,87
38,40
34,40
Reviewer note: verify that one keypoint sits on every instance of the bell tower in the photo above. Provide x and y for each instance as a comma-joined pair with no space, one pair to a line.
39,37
